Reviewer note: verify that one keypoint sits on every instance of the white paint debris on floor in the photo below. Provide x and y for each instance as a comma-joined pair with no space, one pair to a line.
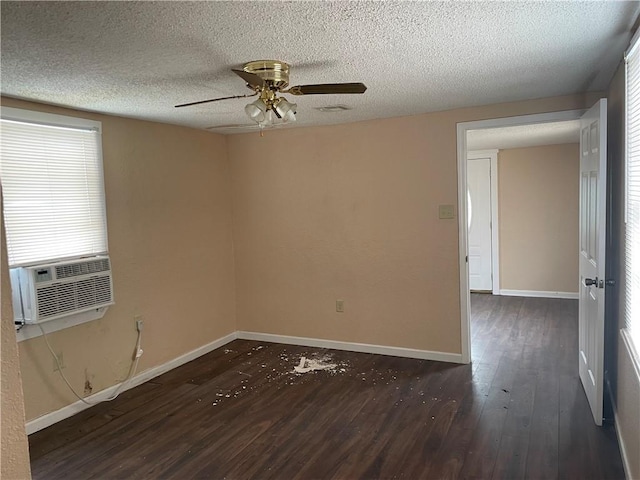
312,364
279,371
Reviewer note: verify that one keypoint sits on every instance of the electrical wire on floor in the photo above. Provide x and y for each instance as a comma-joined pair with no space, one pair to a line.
132,369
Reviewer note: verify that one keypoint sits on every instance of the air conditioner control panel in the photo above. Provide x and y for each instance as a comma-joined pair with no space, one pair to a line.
42,275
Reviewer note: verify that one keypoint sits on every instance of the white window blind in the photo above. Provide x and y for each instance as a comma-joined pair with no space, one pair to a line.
52,187
632,240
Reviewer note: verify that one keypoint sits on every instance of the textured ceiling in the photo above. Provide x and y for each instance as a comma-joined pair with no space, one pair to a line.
524,135
139,59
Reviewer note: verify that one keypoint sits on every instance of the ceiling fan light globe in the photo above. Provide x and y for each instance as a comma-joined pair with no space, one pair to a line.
283,107
256,111
269,117
290,116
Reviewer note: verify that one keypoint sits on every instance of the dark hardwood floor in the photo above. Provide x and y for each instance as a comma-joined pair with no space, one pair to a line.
240,412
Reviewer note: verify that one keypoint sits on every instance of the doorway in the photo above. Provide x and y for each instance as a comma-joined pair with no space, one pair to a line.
463,129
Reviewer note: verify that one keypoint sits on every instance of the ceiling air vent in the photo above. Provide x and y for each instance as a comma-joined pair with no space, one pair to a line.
333,108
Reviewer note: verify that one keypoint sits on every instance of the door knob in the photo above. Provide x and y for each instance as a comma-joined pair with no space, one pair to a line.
590,281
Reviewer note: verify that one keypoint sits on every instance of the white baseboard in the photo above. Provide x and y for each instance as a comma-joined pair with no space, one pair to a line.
538,293
48,419
353,347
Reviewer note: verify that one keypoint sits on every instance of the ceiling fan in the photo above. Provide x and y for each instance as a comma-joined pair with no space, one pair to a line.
267,79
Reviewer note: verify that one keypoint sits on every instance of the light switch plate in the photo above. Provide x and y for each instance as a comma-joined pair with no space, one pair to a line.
446,212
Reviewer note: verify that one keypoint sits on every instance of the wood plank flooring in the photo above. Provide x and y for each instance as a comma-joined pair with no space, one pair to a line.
240,412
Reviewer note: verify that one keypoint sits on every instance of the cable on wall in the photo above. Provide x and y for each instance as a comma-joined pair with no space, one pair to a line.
132,369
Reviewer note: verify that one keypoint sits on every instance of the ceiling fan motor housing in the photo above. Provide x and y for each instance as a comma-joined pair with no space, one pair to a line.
274,72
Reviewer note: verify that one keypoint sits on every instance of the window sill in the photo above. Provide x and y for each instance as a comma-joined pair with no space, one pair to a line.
26,332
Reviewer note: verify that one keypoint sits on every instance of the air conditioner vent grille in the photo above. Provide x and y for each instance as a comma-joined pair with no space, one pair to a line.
82,268
60,298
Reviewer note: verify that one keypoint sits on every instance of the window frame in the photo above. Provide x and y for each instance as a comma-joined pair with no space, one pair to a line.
630,336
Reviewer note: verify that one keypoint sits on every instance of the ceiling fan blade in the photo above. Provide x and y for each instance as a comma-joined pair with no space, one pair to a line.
327,88
251,78
215,100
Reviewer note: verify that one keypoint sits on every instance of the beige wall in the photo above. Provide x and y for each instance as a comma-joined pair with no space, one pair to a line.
538,193
624,379
14,451
169,223
351,212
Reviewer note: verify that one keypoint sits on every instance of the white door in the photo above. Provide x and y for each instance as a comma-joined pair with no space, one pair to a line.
593,195
479,216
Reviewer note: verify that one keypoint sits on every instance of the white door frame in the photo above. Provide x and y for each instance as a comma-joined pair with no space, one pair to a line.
495,250
463,247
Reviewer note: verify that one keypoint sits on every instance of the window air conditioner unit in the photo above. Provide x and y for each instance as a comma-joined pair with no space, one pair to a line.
56,290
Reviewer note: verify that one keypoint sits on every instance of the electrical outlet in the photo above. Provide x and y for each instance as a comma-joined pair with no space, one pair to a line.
340,306
61,360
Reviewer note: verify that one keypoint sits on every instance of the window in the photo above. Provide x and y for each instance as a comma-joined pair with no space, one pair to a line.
52,187
632,197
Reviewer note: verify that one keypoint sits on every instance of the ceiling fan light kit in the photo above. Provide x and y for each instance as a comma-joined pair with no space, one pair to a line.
268,78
